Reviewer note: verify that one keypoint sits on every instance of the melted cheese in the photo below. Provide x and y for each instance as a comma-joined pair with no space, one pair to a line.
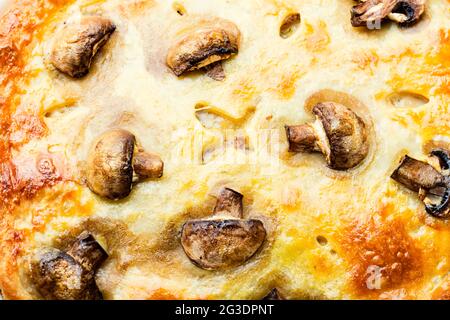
371,224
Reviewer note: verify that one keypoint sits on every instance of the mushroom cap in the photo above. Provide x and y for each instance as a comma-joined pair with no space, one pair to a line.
347,135
58,276
405,12
212,42
222,243
76,46
109,164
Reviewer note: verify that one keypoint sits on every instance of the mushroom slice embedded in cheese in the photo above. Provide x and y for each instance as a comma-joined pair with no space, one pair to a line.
226,240
70,275
274,294
404,12
338,133
432,185
210,43
76,46
112,161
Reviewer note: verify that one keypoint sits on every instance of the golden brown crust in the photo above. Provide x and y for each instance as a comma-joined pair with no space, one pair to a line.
18,26
326,244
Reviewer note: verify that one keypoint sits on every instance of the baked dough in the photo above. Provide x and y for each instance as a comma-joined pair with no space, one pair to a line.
329,234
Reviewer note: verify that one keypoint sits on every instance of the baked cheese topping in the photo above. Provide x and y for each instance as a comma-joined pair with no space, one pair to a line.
204,89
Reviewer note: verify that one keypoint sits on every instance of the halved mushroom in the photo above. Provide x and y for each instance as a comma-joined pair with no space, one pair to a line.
289,24
338,132
224,241
76,46
212,42
404,12
60,275
112,161
432,185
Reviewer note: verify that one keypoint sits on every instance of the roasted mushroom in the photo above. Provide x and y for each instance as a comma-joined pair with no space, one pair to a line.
274,294
210,43
432,185
76,46
289,24
404,12
70,275
226,240
114,160
337,132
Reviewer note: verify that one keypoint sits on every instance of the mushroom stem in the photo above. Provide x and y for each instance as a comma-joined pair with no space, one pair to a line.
433,186
87,252
147,165
416,175
301,138
229,203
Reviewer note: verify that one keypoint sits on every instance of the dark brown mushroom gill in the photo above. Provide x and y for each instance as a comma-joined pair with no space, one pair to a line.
59,275
206,45
432,185
76,46
114,160
370,12
225,241
338,132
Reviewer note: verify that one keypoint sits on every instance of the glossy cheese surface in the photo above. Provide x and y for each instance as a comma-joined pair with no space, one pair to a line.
333,235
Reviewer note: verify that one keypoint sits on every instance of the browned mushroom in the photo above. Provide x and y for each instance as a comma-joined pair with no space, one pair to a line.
226,240
289,24
404,12
76,46
274,294
113,159
338,133
60,275
212,42
432,185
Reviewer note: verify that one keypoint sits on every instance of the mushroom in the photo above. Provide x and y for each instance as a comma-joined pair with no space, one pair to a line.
274,294
70,275
404,12
76,46
114,160
432,185
289,25
338,133
210,43
226,240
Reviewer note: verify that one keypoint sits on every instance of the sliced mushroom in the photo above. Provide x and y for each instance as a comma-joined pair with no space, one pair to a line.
433,186
113,159
338,133
208,44
225,241
404,12
60,275
76,46
274,294
289,24
87,252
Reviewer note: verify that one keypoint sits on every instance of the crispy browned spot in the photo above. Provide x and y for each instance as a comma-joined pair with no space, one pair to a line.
376,246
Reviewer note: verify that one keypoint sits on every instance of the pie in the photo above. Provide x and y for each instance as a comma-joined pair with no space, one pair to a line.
264,149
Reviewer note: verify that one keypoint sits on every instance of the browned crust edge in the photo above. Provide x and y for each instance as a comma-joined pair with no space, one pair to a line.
20,24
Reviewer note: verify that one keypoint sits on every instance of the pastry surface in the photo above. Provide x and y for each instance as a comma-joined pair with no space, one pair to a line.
329,234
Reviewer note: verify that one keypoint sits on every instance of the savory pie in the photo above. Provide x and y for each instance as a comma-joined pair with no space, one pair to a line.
226,149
